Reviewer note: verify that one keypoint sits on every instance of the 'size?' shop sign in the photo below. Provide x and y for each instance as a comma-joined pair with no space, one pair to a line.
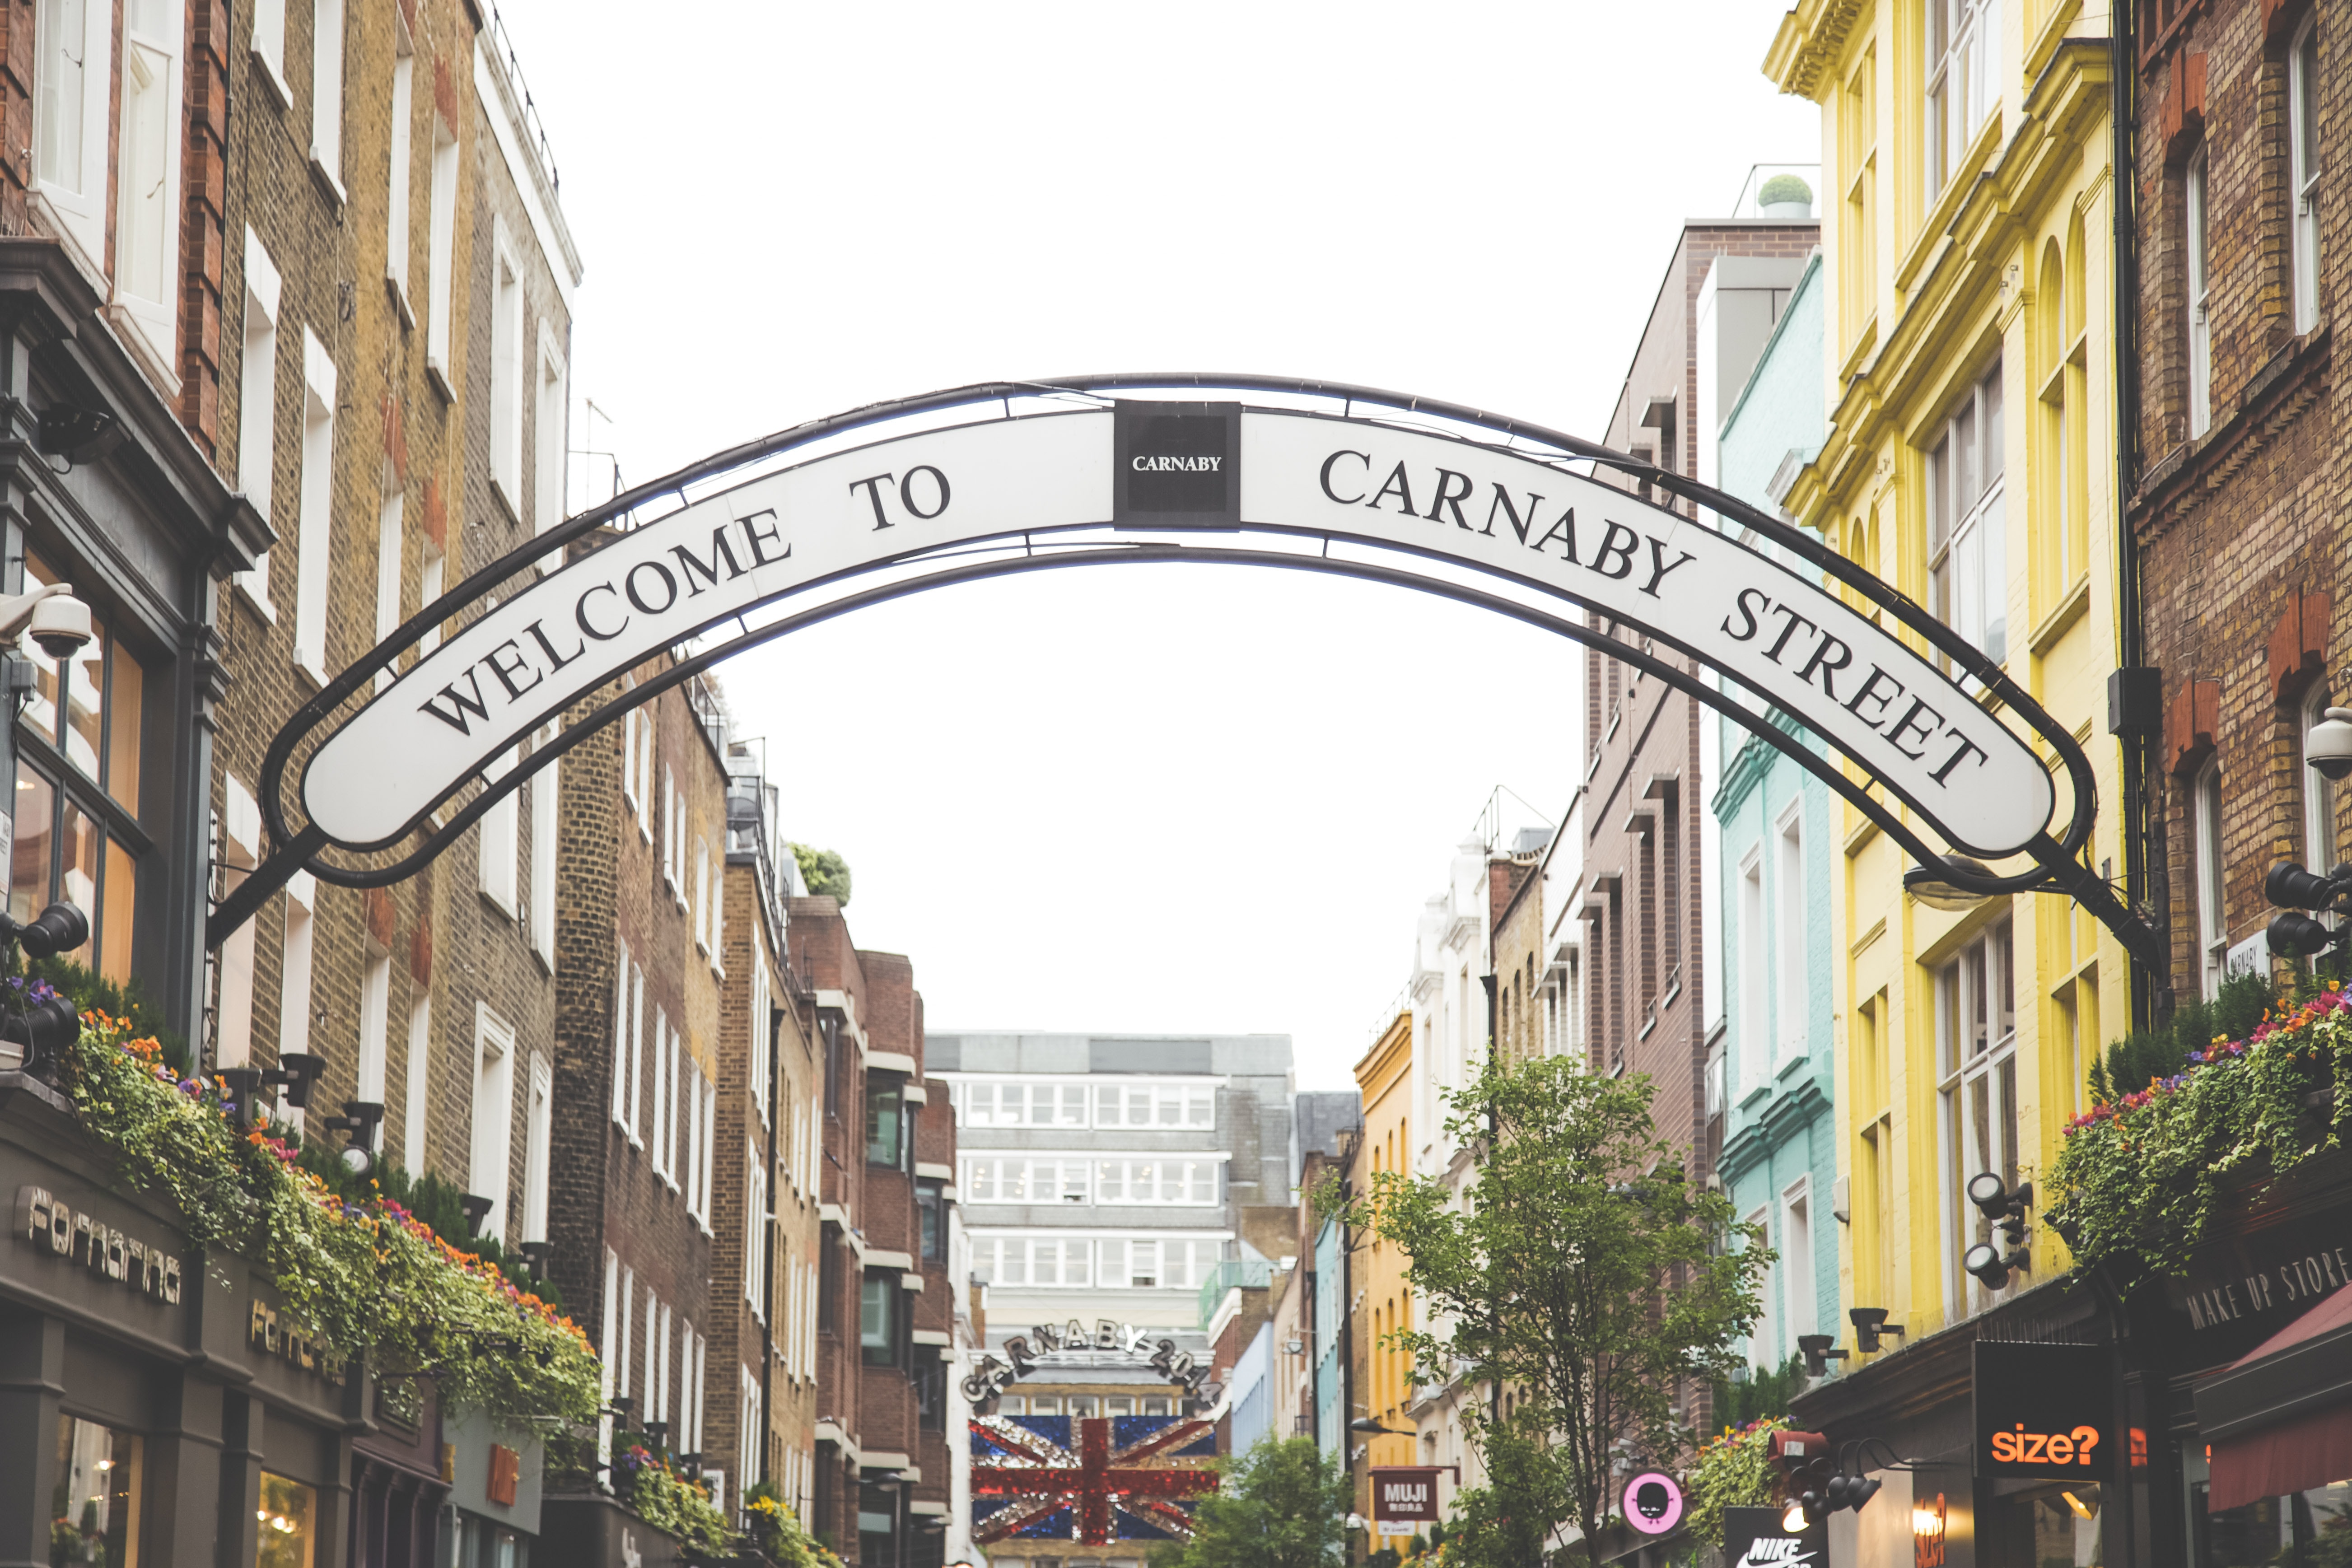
2044,1413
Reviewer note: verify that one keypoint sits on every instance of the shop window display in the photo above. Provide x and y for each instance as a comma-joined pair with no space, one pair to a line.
289,1520
94,1512
2301,1530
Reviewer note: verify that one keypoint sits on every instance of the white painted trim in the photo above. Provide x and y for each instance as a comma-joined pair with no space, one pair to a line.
539,199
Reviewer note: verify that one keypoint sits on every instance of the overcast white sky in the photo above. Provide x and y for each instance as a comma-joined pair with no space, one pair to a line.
1160,799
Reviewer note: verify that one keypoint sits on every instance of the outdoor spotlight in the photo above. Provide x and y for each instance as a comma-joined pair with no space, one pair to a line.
2328,746
1869,1323
78,435
300,1071
2293,935
1796,1520
622,1405
359,1119
2291,887
477,1209
43,1028
1850,1491
1991,1268
658,1431
1817,1352
1933,885
535,1254
1997,1203
243,1084
61,927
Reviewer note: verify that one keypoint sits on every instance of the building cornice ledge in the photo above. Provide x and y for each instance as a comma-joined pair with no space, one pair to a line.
1811,36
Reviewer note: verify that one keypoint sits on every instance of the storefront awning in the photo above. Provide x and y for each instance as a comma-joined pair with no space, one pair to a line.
2279,1419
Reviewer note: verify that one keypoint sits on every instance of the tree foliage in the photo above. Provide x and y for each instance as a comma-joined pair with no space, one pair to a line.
824,871
1283,1504
1583,1276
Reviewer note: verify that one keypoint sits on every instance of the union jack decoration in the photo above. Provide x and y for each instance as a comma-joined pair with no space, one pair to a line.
1111,1480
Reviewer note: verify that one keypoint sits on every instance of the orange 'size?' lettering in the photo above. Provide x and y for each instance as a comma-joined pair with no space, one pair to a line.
2024,1448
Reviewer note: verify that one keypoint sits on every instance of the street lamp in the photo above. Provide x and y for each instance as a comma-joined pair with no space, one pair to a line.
1939,892
1365,1424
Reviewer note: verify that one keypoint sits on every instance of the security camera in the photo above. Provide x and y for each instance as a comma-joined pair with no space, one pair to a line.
61,626
2328,746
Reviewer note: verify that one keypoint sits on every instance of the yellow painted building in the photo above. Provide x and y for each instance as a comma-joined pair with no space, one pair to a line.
1384,1377
1970,461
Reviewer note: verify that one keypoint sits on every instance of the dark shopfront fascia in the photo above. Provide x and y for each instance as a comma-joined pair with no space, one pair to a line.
2230,1384
111,797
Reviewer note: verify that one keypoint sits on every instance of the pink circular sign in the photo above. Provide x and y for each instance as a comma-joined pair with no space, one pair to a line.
1652,1503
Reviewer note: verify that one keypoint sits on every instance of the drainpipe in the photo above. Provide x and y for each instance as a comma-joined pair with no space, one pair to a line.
2131,646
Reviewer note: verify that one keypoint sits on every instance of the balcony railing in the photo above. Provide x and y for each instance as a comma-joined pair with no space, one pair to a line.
1232,1274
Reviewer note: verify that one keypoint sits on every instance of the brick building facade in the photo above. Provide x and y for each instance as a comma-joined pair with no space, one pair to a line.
2236,513
881,1473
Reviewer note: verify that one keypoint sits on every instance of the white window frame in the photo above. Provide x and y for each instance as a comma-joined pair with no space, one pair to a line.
1797,1242
506,370
77,209
441,242
2319,847
637,1055
2194,235
497,859
241,846
621,1032
315,538
269,46
1764,1342
2212,916
400,166
388,544
487,1171
420,1078
1793,994
294,965
257,415
1967,520
1963,47
2304,170
702,895
150,306
431,564
326,21
546,817
550,422
1969,1073
375,1022
1755,973
538,1147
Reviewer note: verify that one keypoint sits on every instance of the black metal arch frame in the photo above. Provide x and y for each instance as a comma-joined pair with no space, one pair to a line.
2058,866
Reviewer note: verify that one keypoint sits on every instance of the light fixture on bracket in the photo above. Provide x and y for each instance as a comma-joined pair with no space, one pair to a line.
1869,1323
477,1209
1815,1348
78,435
1933,887
1988,1264
359,1119
300,1071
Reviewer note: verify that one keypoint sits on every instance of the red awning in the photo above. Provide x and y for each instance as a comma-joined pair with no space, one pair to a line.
2306,1448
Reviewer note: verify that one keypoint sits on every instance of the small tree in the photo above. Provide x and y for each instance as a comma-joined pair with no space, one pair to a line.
824,871
1583,1275
1283,1504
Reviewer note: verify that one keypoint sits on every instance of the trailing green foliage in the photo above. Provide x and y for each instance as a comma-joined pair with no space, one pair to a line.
1733,1469
2139,1059
89,991
1283,1504
1582,1271
824,871
777,1529
1763,1395
666,1501
366,1279
2139,1176
439,1204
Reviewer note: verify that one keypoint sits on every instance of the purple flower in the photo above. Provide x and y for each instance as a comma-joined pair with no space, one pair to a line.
190,1086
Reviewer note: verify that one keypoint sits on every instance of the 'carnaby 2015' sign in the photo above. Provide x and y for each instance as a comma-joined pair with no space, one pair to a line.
1514,528
1021,1356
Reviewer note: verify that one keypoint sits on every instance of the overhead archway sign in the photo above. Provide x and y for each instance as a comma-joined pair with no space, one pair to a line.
1482,500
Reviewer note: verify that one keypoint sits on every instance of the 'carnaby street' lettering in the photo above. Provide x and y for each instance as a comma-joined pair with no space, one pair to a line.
1819,657
601,610
1617,554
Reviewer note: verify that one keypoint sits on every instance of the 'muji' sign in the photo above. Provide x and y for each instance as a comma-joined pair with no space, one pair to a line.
1404,1498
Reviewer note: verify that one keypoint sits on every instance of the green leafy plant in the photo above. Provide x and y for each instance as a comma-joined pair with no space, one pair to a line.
367,1278
2139,1176
824,871
669,1501
2137,1059
89,991
1785,188
1582,1270
440,1204
1283,1504
1733,1469
777,1530
1764,1392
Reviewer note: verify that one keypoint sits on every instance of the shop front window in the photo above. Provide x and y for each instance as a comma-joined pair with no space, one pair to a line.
78,784
94,1509
2301,1530
2049,1527
288,1522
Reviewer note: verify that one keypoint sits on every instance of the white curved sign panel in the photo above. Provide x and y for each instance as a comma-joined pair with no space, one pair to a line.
1793,642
